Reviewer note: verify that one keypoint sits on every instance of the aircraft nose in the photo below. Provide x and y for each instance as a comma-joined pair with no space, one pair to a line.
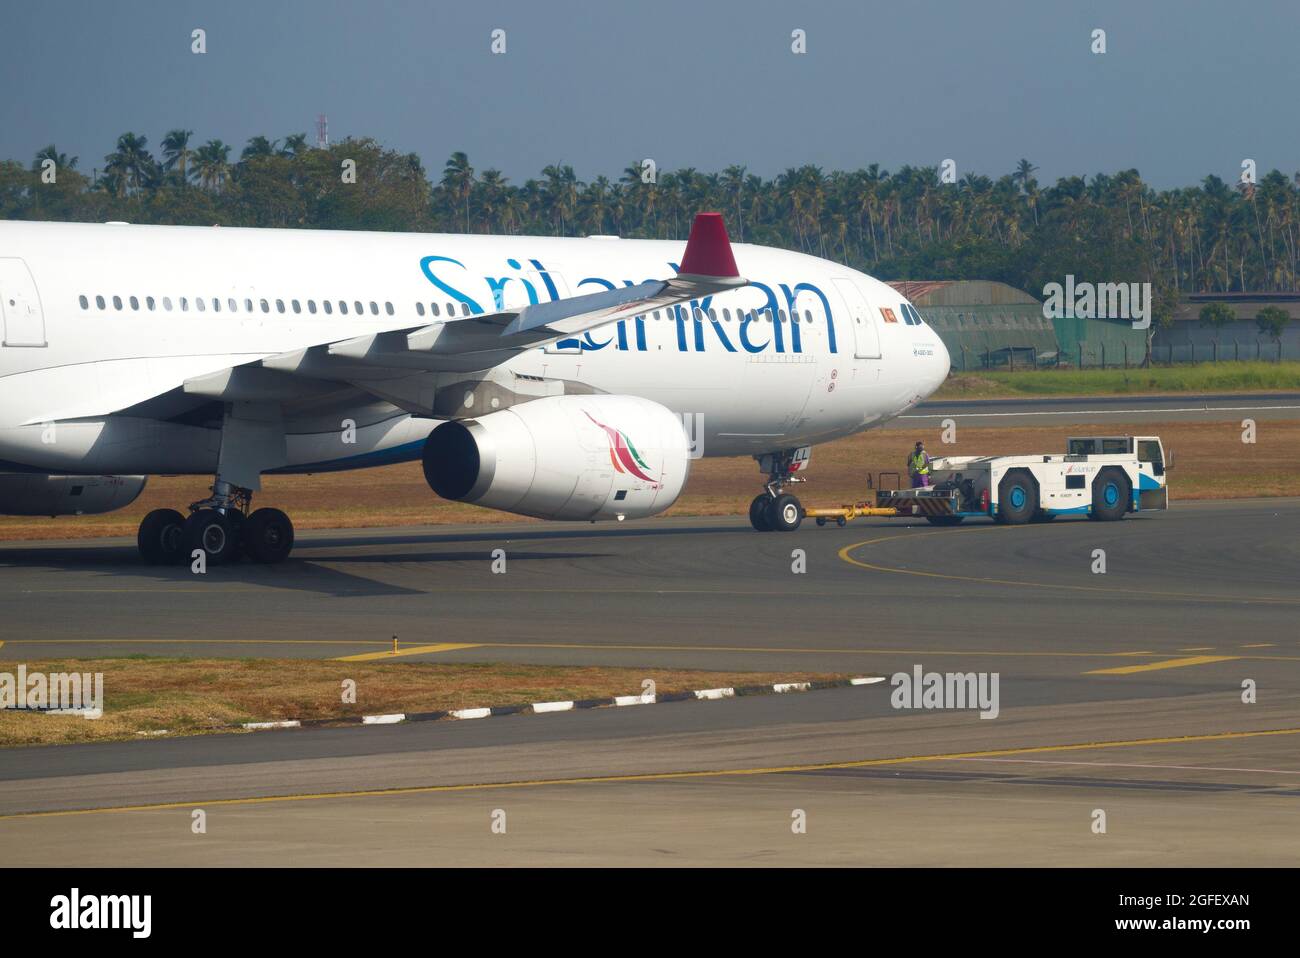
942,362
934,363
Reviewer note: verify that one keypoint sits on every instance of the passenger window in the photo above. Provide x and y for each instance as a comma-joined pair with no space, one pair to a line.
358,308
297,306
198,303
807,315
117,302
279,306
266,307
388,308
167,303
374,308
234,306
85,303
329,307
419,309
464,309
248,305
148,301
216,305
433,308
311,306
343,306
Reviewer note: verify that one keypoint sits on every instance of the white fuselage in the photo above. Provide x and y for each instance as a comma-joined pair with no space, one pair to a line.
103,328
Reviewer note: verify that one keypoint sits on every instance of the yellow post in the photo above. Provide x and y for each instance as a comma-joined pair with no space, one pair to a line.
394,645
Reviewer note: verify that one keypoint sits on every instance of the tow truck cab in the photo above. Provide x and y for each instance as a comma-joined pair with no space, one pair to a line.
1150,491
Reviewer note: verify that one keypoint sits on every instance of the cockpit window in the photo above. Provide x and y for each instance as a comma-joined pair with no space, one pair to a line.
911,316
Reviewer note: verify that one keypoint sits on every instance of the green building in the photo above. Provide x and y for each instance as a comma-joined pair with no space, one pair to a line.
986,324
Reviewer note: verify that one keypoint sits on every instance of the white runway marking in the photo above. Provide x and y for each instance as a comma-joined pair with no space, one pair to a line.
1189,768
1098,412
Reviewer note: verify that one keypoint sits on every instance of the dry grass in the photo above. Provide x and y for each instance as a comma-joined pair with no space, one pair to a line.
1212,462
190,696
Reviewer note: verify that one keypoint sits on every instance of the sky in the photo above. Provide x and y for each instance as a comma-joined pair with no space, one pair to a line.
1185,87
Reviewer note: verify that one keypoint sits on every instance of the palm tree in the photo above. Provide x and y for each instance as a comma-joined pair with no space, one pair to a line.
176,152
61,160
295,144
258,146
130,166
733,181
491,191
458,179
560,194
212,165
1023,177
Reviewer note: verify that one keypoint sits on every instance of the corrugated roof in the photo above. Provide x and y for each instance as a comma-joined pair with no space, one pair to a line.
962,292
919,289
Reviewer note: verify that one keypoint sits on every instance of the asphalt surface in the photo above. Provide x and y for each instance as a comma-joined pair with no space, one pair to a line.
706,593
1046,411
1118,691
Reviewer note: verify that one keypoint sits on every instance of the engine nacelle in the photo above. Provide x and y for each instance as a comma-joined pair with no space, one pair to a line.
32,494
564,457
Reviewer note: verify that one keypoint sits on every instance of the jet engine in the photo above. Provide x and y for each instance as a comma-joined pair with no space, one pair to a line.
564,457
32,494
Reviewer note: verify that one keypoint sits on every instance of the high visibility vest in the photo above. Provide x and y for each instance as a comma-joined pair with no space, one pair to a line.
917,463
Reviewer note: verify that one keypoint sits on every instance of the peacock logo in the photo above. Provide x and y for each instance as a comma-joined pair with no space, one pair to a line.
622,454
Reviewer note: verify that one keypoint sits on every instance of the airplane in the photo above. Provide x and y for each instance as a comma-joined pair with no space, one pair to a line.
560,378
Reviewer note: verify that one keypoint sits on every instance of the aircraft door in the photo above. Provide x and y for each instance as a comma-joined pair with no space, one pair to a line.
866,336
24,320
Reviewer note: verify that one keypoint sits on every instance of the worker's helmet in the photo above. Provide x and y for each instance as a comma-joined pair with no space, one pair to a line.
919,444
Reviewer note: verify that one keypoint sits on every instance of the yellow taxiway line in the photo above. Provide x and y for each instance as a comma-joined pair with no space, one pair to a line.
1165,664
844,554
659,776
599,647
409,650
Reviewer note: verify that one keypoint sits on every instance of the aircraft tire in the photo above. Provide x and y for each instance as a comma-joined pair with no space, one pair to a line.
267,536
161,538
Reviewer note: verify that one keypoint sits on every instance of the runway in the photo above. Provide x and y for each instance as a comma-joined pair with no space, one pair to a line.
1119,691
1052,411
695,783
704,593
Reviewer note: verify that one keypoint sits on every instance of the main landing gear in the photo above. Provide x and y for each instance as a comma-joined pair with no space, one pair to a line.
221,526
774,509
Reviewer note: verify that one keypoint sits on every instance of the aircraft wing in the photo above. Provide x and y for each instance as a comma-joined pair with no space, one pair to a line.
481,342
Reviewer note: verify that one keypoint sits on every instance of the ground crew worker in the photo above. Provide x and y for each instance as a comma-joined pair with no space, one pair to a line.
918,466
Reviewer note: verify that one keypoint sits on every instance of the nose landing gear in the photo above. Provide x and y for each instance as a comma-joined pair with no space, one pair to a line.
220,526
775,510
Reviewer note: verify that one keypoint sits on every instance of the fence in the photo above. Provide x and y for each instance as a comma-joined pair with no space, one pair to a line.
1120,355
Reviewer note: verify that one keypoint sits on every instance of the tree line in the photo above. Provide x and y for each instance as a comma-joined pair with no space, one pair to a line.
908,224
